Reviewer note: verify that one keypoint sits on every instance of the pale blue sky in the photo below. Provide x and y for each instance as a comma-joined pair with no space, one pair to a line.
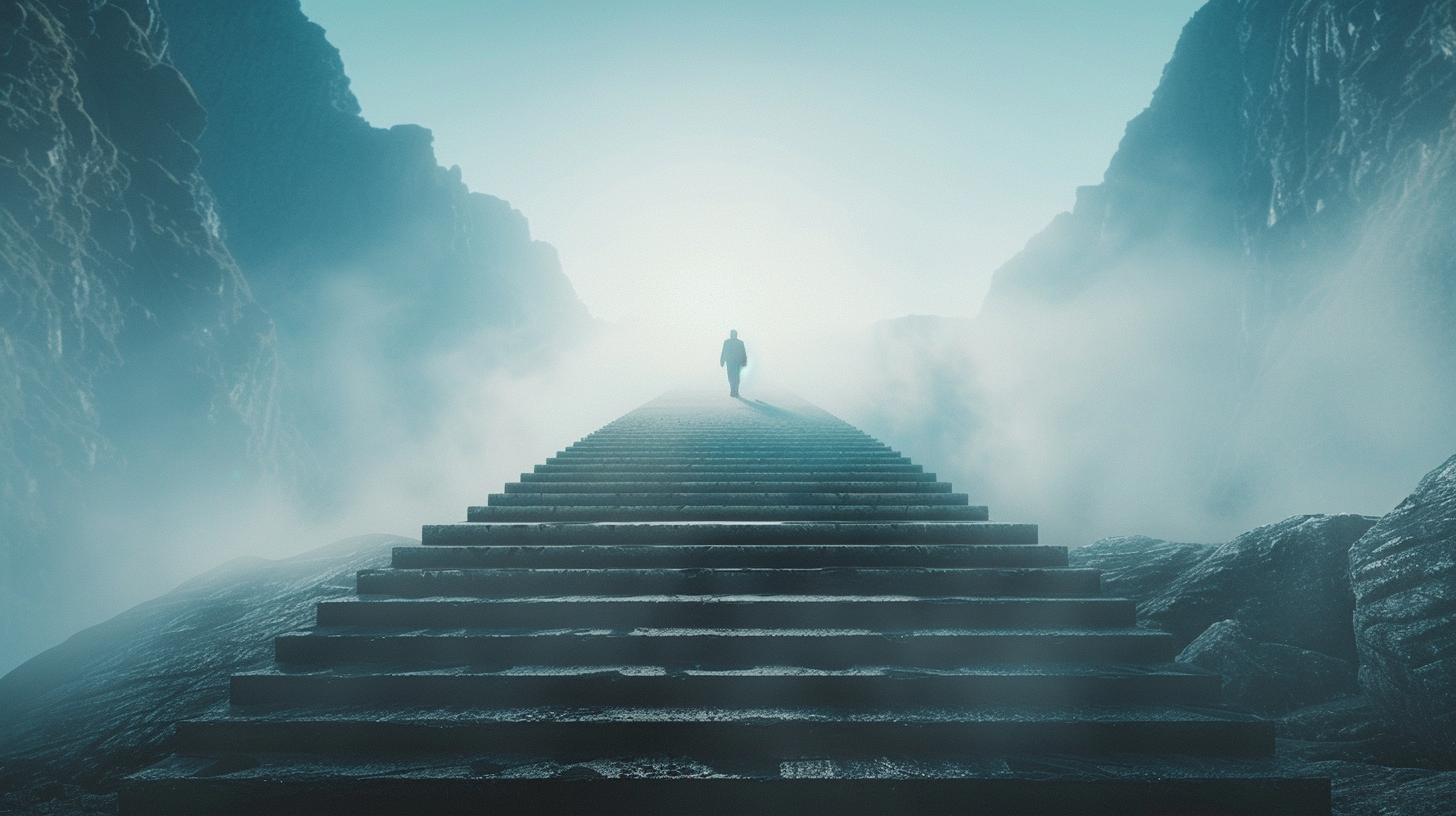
860,160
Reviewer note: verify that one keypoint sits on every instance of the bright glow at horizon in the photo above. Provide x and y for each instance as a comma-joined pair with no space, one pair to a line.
761,164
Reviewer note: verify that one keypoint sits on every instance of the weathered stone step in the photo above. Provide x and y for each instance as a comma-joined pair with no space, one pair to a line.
924,583
735,466
728,611
720,512
880,689
729,487
737,476
278,785
763,556
709,448
580,733
728,533
590,644
832,458
723,499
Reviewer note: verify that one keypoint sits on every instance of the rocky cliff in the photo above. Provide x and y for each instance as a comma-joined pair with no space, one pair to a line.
374,260
127,331
1252,313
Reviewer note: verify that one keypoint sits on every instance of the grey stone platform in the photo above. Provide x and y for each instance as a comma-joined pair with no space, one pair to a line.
726,606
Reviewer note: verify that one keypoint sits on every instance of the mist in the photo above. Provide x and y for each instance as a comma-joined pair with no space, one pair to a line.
1213,338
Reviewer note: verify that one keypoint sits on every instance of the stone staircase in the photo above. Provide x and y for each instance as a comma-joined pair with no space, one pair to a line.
725,606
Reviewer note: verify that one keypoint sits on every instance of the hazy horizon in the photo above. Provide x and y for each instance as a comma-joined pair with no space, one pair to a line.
738,163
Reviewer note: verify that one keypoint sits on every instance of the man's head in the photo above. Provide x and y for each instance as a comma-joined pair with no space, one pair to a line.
733,333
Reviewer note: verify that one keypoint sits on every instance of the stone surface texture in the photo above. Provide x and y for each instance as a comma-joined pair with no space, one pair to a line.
1268,678
1404,576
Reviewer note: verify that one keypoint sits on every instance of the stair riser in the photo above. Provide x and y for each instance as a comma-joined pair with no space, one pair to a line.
845,513
746,477
647,460
766,614
732,466
668,556
577,741
1066,583
725,652
797,534
387,795
902,488
722,693
726,499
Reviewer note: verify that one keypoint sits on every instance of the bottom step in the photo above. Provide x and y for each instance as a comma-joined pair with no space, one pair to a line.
238,784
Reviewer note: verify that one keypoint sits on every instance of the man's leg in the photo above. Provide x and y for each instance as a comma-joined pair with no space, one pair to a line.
733,380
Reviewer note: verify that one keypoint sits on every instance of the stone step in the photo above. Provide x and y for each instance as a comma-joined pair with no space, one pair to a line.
903,488
719,512
761,556
832,458
596,499
591,644
736,449
878,689
728,533
728,611
580,733
739,476
922,583
736,466
455,785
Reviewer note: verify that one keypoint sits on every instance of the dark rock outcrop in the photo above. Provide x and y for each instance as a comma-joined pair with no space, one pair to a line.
1273,229
1268,678
134,358
79,716
1403,572
351,231
1287,583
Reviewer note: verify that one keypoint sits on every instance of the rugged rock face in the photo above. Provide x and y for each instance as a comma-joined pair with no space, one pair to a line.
1403,572
1181,350
78,717
1286,583
1268,678
127,333
375,261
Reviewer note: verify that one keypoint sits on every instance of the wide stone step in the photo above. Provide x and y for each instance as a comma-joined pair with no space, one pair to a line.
504,583
724,499
830,649
698,449
728,533
413,785
880,689
728,612
580,733
763,556
827,459
720,512
738,476
828,466
902,488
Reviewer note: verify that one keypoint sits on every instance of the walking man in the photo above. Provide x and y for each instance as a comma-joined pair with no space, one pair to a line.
734,358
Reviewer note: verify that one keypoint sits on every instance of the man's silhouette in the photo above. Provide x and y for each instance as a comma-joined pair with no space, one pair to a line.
734,358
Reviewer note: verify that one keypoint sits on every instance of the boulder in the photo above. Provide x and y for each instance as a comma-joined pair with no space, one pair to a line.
1403,574
1268,678
1287,583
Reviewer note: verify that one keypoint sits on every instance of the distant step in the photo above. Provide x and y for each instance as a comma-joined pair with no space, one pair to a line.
731,476
770,487
761,556
578,733
734,512
501,583
828,649
740,534
892,689
726,499
727,612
